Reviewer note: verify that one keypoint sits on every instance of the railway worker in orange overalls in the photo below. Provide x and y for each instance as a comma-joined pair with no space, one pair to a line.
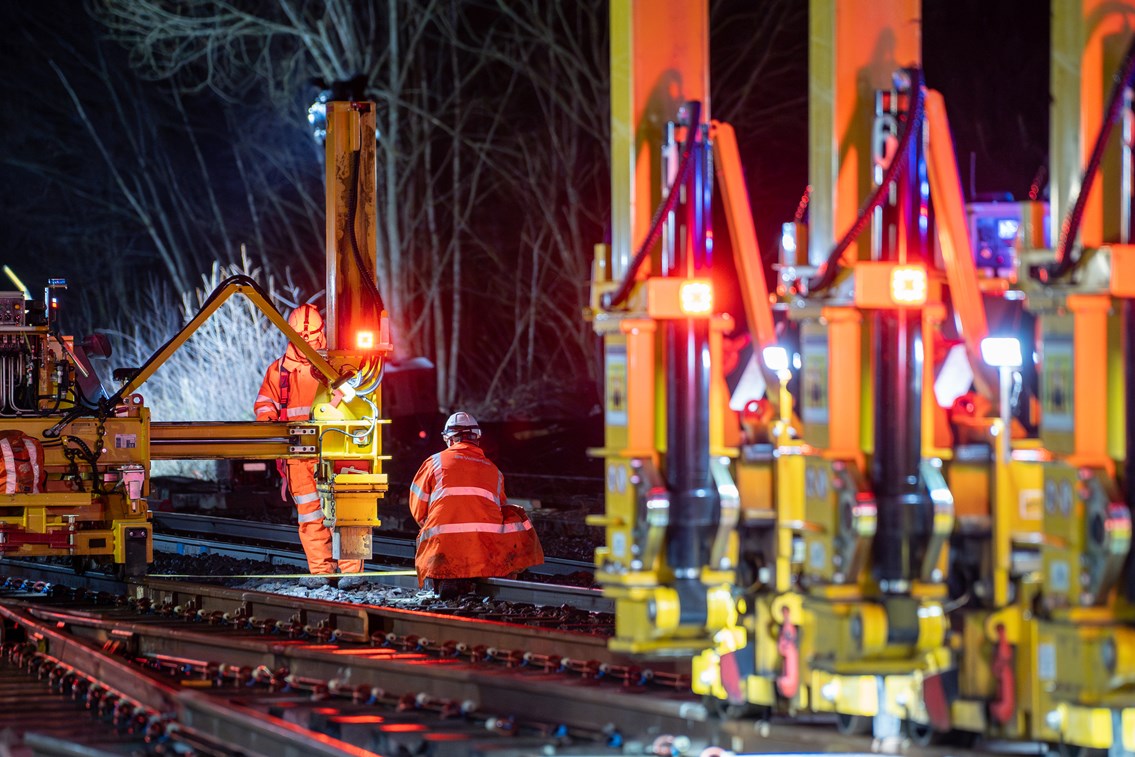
468,529
287,394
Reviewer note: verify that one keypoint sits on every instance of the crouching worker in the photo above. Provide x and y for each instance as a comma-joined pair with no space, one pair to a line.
287,394
468,529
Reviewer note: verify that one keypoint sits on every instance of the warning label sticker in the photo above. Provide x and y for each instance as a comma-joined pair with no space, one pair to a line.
1058,383
814,404
616,385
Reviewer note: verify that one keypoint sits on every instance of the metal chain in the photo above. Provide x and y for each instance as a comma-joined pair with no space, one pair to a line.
73,468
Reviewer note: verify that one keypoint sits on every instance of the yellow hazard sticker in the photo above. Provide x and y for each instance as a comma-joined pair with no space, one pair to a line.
616,386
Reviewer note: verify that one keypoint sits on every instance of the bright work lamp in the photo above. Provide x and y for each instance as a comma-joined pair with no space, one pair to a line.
317,117
364,340
1004,354
776,359
908,285
1001,351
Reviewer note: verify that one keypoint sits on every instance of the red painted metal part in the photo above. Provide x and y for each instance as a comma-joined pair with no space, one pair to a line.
14,537
1005,705
788,682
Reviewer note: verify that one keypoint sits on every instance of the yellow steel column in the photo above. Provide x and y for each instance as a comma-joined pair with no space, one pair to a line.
854,48
1089,38
659,62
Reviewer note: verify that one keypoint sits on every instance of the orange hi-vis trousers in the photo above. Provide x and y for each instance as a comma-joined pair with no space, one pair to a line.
314,535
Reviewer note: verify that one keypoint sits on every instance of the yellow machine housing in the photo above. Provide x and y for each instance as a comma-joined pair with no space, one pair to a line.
97,446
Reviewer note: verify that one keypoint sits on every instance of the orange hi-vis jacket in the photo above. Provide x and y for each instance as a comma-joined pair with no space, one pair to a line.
287,394
468,529
290,380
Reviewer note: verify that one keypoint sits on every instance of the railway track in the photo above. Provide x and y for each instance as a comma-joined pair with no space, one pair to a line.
236,671
335,672
276,546
390,549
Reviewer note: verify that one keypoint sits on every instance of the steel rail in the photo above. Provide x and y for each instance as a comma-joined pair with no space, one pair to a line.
580,702
260,733
505,590
384,546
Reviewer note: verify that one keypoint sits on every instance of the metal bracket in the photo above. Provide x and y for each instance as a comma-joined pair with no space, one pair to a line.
856,523
730,512
943,524
653,514
1106,537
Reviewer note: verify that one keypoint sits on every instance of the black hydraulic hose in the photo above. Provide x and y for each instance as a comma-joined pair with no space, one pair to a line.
830,267
106,406
1071,226
619,296
352,213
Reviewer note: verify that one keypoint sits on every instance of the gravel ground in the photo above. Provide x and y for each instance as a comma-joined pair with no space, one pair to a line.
352,590
362,590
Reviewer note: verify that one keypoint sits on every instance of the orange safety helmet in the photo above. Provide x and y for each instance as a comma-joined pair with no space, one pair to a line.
309,323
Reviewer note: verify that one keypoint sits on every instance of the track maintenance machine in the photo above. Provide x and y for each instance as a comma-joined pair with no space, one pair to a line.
807,562
1078,632
77,457
912,557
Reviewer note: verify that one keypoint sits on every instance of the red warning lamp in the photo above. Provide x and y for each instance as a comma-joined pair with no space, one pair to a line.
364,340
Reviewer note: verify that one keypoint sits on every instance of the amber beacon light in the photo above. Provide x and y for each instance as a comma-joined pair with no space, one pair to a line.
908,285
696,297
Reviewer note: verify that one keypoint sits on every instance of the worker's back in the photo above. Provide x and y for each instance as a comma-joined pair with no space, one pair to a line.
468,529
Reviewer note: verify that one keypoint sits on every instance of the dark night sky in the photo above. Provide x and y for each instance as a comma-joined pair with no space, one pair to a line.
988,57
990,60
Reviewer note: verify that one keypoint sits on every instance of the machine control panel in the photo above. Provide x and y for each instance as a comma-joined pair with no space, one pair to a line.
12,309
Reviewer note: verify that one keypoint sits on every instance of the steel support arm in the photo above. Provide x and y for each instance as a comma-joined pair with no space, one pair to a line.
259,298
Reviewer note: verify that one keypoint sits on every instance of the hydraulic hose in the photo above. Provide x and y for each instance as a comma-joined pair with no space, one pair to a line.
618,297
352,213
830,267
1070,229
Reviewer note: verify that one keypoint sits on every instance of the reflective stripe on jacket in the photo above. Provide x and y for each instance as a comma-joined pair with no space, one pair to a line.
272,404
467,529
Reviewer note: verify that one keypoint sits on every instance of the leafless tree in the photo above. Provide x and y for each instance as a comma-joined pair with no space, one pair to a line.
493,156
454,81
560,155
759,85
137,178
216,374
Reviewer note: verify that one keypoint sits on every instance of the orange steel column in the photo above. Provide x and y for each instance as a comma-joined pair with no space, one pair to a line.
659,60
854,48
1089,38
350,155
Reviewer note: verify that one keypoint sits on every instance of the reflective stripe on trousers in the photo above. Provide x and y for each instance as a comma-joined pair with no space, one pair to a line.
312,517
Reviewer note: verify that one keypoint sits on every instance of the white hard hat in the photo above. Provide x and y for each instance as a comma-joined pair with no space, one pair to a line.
461,423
